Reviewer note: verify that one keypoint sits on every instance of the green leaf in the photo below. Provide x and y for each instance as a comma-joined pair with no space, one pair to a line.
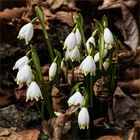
59,58
105,21
94,33
39,13
101,50
75,87
98,25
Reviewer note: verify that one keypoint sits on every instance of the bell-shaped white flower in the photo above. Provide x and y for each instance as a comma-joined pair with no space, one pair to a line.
78,37
88,66
26,32
75,99
83,118
97,57
24,75
52,70
106,64
108,37
92,41
70,41
21,62
75,54
33,92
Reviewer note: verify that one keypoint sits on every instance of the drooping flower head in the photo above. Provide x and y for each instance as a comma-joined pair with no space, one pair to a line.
78,38
21,62
83,118
75,54
26,32
88,66
97,57
24,75
92,41
33,92
108,37
75,99
70,41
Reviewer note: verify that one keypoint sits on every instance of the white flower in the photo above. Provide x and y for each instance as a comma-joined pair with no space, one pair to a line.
33,92
21,62
108,37
78,37
52,70
26,32
75,99
88,66
24,75
106,64
83,118
92,41
70,41
75,54
97,57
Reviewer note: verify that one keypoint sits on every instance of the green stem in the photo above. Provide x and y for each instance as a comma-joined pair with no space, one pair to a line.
82,33
41,81
91,93
40,16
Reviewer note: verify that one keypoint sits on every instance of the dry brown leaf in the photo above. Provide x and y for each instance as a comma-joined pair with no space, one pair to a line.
4,101
110,138
101,90
13,134
57,128
110,4
132,86
9,14
65,17
130,27
59,97
56,4
125,109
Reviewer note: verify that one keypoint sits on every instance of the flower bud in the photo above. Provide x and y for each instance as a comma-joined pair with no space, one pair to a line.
106,64
97,57
108,37
78,37
52,70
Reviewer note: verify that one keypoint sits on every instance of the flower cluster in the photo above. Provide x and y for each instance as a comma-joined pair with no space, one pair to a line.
72,44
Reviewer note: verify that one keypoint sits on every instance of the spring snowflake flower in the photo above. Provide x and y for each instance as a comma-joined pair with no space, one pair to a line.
70,41
83,118
75,99
78,37
97,57
75,54
21,62
52,70
92,41
26,32
24,75
108,37
33,92
88,66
